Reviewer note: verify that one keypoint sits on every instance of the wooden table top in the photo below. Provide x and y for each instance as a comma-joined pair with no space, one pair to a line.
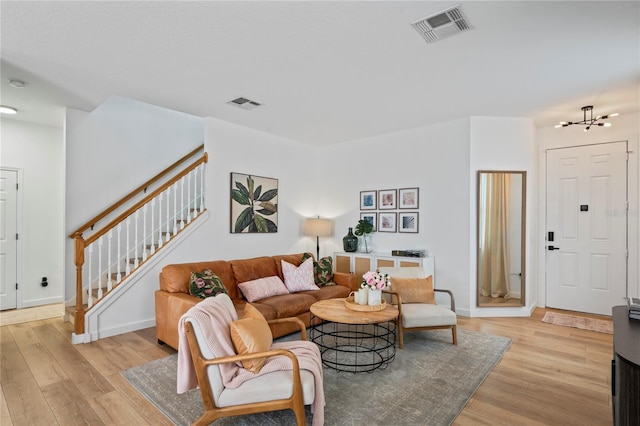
334,310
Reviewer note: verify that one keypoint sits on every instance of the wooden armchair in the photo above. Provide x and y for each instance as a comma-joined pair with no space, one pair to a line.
415,299
275,390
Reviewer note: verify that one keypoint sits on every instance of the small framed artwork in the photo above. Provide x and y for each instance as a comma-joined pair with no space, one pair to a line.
372,218
254,204
408,198
387,199
368,200
408,222
387,222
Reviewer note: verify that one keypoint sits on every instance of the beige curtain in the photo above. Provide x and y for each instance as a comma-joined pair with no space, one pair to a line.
494,244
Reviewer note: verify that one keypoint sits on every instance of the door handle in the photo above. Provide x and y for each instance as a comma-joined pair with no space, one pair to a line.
553,248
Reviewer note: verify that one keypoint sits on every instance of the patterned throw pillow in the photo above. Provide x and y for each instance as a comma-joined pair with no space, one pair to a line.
206,284
322,270
298,278
262,288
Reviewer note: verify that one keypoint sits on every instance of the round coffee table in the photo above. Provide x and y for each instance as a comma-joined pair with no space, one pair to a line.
353,341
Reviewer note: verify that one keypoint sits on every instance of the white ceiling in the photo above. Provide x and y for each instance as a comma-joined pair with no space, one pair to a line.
325,71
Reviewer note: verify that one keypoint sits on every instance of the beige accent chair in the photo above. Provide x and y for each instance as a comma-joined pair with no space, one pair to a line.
277,390
419,316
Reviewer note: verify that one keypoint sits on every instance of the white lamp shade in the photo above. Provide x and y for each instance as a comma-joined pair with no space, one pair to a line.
318,227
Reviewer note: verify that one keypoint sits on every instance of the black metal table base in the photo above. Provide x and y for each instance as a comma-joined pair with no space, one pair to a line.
355,348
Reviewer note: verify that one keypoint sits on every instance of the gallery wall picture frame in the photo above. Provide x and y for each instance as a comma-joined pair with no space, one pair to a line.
368,200
387,199
387,222
408,222
254,204
408,198
370,217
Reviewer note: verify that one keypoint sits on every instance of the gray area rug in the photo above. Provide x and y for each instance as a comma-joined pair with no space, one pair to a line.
428,383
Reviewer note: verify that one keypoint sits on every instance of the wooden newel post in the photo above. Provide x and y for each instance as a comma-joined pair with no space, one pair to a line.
79,261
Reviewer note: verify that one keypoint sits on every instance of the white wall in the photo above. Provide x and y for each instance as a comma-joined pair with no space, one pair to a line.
39,152
624,128
499,143
436,160
114,149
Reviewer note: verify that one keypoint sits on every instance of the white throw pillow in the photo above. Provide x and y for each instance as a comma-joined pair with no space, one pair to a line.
299,278
262,288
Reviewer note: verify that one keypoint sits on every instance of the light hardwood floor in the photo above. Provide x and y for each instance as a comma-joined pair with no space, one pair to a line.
550,375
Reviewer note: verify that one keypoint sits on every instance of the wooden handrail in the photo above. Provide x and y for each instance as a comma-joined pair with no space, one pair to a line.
133,193
145,200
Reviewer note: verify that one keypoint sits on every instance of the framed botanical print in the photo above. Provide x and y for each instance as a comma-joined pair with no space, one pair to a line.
408,198
408,222
371,218
387,222
368,200
254,204
387,199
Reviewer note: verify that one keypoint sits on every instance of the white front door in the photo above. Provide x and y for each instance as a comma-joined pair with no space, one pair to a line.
587,214
8,239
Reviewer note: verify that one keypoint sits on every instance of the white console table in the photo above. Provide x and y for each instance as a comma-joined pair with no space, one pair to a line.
359,263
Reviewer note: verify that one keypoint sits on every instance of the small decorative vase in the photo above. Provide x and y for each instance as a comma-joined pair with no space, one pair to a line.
365,244
375,298
350,242
363,296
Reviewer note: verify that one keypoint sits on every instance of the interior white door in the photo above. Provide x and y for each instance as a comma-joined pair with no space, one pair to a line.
8,240
587,214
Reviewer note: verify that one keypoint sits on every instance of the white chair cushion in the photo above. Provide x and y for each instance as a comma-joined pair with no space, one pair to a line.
275,385
426,315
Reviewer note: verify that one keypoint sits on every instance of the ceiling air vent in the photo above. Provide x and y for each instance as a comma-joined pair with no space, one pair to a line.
443,24
244,103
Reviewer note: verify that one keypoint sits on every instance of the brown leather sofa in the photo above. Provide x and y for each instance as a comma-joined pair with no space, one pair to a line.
173,298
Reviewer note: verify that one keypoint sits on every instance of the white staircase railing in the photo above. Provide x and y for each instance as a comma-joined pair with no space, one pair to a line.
107,257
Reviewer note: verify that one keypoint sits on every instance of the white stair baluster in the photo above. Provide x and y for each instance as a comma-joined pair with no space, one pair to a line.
144,232
195,192
109,248
189,197
127,248
135,239
89,295
175,210
118,257
100,267
160,220
182,202
168,235
152,249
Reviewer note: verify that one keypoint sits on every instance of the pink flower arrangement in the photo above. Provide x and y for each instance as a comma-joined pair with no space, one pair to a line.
375,281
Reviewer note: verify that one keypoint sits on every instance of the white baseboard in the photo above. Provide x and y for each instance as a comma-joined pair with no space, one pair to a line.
40,302
125,328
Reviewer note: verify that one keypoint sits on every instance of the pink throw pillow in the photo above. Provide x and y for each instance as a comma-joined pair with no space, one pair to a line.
262,288
299,278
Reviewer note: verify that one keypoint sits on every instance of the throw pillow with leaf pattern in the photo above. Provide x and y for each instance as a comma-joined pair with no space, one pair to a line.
322,270
206,284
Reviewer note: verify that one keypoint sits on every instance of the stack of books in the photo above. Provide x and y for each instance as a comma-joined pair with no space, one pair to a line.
634,307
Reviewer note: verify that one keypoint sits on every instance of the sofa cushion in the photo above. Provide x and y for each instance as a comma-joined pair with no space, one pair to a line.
262,288
252,269
322,270
299,278
329,292
414,290
206,284
251,335
290,305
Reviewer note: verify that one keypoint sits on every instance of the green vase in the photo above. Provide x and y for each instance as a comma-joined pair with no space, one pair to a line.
350,242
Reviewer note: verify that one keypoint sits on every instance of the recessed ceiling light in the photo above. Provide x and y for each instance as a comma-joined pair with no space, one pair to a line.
244,103
8,110
19,84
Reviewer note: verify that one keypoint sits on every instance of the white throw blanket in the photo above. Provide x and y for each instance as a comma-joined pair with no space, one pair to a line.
215,314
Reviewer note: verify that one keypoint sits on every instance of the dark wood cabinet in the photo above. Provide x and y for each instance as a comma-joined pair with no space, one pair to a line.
625,369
